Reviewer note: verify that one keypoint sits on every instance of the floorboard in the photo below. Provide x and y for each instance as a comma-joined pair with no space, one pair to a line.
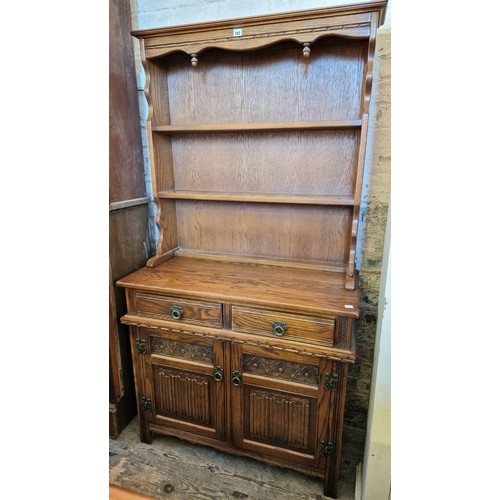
171,468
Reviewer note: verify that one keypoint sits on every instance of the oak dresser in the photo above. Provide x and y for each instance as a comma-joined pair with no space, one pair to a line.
243,324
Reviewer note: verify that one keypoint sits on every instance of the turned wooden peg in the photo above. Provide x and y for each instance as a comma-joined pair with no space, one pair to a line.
194,60
306,50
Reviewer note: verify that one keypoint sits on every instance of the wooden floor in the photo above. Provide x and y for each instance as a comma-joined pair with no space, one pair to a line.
173,469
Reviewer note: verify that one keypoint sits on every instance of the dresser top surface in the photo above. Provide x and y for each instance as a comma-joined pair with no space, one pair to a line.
304,290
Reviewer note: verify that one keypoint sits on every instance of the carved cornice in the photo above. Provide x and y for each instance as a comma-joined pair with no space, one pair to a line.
293,34
359,8
306,26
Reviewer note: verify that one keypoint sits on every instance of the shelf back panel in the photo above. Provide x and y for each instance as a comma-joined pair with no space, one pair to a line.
307,233
270,85
315,163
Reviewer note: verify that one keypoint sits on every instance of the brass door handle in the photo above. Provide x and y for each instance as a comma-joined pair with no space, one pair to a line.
236,378
218,374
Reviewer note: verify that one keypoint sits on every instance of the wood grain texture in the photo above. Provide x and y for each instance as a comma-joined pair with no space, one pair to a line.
126,173
274,417
259,127
259,198
349,30
223,90
368,78
267,21
299,465
186,394
167,347
188,365
270,287
325,410
182,395
185,470
196,312
129,248
338,400
160,156
224,94
315,163
164,163
156,260
344,332
257,168
166,220
115,368
281,369
258,32
290,348
129,244
277,418
300,328
139,379
317,233
248,259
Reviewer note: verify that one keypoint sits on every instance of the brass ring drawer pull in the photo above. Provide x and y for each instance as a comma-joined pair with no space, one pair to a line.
279,328
177,312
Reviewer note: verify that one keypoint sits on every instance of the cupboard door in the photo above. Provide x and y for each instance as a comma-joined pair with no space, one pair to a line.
184,380
279,404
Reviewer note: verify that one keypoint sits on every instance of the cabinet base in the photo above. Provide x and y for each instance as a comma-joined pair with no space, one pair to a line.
330,489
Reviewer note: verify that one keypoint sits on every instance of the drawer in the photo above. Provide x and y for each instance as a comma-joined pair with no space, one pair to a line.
181,310
282,325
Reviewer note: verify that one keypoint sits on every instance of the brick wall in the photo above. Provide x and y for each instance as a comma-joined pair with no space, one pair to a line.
376,185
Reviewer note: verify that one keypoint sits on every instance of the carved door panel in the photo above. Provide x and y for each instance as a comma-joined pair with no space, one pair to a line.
183,377
279,404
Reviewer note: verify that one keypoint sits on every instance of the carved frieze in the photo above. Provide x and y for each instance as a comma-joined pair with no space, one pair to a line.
296,372
204,354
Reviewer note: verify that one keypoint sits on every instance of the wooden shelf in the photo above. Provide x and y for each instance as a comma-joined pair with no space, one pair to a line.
259,198
259,127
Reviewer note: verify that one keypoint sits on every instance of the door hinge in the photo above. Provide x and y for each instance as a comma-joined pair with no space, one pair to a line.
141,346
326,449
331,381
146,403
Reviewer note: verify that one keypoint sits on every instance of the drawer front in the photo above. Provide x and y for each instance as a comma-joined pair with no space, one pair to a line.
283,325
181,310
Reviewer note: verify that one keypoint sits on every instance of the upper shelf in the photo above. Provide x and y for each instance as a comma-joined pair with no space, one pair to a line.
259,127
